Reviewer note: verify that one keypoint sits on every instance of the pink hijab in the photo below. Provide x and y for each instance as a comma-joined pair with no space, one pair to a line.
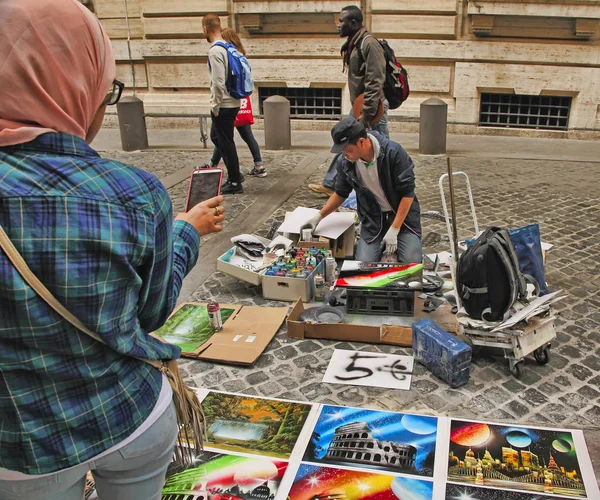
56,67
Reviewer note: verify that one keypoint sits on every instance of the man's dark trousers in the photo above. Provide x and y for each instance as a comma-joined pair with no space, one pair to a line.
221,134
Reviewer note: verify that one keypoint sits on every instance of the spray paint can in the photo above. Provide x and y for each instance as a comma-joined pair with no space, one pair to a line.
214,316
330,266
307,234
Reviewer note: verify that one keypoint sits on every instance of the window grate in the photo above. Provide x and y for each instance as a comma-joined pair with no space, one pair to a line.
307,103
525,111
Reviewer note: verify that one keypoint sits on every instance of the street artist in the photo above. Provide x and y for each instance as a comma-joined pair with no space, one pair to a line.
382,174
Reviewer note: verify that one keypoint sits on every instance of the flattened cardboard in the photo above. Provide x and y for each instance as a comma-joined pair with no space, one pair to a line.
384,334
245,335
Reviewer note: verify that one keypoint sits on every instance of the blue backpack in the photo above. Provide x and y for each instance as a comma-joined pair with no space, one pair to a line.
239,81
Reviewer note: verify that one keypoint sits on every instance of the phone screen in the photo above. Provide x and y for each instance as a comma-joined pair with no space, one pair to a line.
203,185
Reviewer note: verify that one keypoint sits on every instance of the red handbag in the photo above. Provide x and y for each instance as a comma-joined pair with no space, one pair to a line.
244,116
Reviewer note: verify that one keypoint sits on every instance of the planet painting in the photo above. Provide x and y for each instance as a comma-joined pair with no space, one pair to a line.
471,434
518,439
419,425
409,489
561,446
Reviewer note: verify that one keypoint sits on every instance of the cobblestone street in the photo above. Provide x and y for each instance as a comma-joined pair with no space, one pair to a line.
561,196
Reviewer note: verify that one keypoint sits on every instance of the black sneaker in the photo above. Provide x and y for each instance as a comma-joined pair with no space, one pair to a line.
232,188
258,172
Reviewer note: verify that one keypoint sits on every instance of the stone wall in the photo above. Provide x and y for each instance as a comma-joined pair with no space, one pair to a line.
453,49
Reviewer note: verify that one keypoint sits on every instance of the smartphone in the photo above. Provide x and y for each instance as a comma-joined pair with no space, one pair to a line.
205,183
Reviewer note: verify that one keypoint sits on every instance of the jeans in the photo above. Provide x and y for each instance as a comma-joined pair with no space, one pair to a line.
135,472
381,126
409,245
221,134
247,136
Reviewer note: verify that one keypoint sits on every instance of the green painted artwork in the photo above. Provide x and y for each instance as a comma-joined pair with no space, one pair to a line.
189,327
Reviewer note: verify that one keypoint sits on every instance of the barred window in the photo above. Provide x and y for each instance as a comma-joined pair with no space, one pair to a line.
525,111
307,103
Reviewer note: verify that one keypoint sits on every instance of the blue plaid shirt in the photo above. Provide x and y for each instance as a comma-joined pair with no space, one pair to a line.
100,235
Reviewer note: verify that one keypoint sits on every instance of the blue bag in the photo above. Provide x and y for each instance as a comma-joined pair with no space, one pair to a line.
239,81
528,247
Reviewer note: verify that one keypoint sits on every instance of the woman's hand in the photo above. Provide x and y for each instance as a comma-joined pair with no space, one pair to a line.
206,216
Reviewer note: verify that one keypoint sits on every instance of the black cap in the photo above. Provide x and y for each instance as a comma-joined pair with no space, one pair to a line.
345,131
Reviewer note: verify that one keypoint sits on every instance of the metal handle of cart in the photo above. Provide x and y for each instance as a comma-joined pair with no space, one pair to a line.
454,244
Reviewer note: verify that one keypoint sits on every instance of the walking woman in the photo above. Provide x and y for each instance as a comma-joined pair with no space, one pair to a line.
101,237
244,120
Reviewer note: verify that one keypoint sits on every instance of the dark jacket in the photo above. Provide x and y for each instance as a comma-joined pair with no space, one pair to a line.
366,73
397,178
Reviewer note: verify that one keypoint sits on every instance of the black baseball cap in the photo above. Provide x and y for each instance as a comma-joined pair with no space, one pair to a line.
345,131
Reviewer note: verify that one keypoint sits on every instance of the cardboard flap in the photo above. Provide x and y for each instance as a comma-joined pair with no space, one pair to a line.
397,335
245,336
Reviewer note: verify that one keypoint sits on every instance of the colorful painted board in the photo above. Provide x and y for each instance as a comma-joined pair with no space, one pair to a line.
515,458
316,482
254,425
463,492
188,327
369,439
216,476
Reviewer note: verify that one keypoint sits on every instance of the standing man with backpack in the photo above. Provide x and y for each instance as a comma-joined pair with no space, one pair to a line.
223,107
364,60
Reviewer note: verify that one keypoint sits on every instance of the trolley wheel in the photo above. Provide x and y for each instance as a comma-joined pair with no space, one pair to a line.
542,354
517,369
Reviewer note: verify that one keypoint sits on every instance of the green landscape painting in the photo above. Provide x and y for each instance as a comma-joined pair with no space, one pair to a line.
253,425
189,327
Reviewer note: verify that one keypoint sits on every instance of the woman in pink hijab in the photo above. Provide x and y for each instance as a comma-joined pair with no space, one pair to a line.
101,237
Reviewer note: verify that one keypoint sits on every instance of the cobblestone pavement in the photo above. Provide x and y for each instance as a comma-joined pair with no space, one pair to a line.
563,199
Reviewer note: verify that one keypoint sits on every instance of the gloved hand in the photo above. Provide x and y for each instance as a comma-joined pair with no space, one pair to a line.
313,222
390,240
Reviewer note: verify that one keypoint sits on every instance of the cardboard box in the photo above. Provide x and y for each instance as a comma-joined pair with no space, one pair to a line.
382,334
291,289
337,227
245,335
225,266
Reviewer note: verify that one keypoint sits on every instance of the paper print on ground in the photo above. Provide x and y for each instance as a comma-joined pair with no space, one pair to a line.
253,425
188,328
215,476
463,492
373,369
314,482
380,440
519,458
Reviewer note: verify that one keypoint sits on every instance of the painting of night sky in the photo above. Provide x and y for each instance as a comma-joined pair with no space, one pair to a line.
314,482
462,492
379,440
505,457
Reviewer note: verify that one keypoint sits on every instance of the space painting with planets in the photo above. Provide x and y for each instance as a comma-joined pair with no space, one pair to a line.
369,439
216,476
314,482
519,458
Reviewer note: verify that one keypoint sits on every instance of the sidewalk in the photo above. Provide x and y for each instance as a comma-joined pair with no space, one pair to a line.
457,145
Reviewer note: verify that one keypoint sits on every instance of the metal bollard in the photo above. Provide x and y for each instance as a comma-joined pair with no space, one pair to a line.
132,124
278,128
433,127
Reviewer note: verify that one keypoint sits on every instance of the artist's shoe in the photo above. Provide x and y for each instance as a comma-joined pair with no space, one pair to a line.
320,189
232,188
258,172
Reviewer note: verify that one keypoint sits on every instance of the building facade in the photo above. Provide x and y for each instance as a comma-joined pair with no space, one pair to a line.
502,66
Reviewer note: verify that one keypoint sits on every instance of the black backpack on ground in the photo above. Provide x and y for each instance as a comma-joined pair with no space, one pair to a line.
395,87
488,276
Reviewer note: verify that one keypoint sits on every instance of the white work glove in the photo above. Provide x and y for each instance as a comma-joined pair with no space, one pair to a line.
390,240
313,222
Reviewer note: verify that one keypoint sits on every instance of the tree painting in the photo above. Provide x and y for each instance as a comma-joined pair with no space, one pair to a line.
253,425
189,327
